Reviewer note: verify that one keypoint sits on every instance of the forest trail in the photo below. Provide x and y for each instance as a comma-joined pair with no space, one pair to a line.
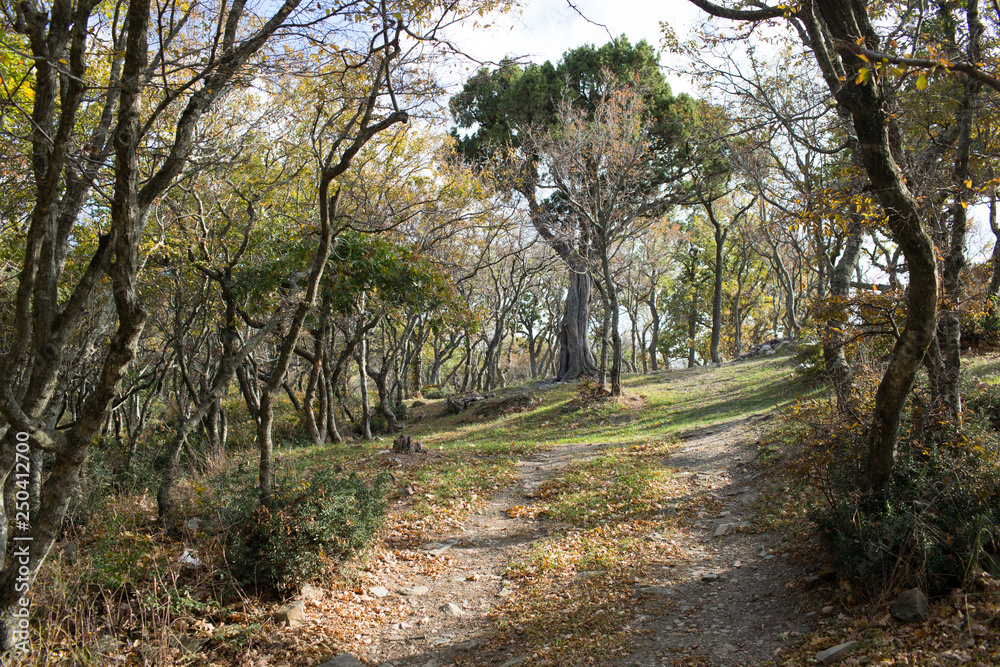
719,595
729,602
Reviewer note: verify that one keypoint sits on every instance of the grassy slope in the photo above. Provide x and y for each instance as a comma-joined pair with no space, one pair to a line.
599,510
602,507
672,402
479,455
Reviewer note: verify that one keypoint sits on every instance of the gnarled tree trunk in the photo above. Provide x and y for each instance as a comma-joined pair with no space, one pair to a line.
575,356
848,23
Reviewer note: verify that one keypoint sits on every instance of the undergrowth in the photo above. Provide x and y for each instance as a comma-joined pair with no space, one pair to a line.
934,524
315,522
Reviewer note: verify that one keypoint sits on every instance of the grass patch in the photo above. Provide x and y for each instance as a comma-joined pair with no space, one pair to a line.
619,485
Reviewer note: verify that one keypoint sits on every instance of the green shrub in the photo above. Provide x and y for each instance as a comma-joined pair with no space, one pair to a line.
932,524
434,392
378,423
809,358
118,548
314,523
103,475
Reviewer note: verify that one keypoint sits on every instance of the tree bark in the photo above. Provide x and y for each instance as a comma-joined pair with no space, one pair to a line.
692,332
834,358
602,369
950,326
366,409
869,108
654,342
720,233
576,359
616,336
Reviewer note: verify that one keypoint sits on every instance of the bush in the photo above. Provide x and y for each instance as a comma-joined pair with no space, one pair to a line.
105,475
314,523
122,551
434,392
933,523
808,353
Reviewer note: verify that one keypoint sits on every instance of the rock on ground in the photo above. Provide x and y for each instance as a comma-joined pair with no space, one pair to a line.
835,653
292,614
911,607
342,660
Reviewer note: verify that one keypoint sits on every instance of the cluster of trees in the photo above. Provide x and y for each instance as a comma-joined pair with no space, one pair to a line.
206,205
906,161
177,180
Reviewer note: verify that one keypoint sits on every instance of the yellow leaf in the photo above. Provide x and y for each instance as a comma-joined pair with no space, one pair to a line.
862,76
922,81
968,182
863,57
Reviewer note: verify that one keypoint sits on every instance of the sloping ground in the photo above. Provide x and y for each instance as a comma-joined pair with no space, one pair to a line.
664,528
629,538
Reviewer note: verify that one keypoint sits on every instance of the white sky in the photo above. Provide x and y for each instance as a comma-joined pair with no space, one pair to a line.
545,29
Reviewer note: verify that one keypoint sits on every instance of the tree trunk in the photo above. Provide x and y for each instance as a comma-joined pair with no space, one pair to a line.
331,406
602,369
950,326
869,109
654,342
265,448
330,376
575,357
692,332
210,425
418,371
834,359
467,365
738,320
381,384
616,336
720,242
309,397
314,392
532,351
366,409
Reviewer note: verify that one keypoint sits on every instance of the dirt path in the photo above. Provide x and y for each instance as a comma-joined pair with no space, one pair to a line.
728,603
429,632
725,603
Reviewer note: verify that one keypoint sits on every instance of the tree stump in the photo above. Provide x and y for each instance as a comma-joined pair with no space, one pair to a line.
405,444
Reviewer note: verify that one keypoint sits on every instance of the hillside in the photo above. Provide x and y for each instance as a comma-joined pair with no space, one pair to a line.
604,507
667,527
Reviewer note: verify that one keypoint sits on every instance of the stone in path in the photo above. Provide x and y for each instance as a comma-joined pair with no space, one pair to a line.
342,660
438,548
292,614
835,653
452,609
